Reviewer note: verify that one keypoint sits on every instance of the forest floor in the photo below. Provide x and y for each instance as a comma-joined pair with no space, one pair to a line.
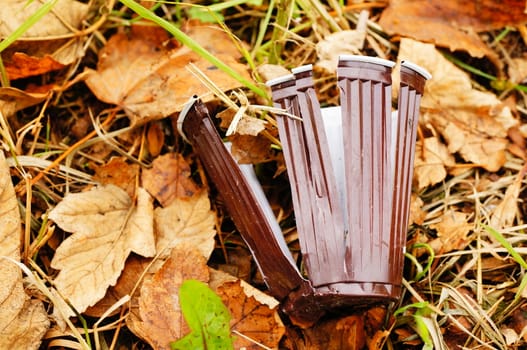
107,212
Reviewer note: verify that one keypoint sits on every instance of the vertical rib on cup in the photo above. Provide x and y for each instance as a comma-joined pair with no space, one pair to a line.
244,202
294,146
413,79
371,250
319,253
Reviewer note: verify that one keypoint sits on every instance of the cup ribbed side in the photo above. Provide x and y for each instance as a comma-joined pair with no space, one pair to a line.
328,243
294,149
365,88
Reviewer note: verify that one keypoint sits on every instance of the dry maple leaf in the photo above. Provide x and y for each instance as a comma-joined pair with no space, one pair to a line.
254,322
120,173
474,123
23,322
159,320
452,232
186,221
106,228
148,78
431,160
169,178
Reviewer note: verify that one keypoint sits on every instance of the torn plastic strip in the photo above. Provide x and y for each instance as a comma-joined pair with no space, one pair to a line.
245,206
294,149
326,209
413,79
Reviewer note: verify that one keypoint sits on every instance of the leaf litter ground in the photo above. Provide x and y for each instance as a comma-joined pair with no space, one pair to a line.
115,212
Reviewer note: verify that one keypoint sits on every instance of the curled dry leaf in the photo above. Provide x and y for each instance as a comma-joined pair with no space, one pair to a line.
13,100
505,212
345,42
106,228
159,320
188,222
473,122
36,55
248,149
169,178
144,73
23,322
452,232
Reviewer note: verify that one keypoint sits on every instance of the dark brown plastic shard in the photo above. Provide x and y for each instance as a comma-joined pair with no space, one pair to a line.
413,79
365,86
328,243
245,206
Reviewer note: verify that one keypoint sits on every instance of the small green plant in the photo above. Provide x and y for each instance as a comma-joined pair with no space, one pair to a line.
207,317
421,322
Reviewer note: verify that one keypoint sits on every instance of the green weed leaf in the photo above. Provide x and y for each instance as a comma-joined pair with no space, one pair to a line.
207,317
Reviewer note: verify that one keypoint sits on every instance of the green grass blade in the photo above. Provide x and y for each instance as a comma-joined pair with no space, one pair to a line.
510,249
191,44
31,21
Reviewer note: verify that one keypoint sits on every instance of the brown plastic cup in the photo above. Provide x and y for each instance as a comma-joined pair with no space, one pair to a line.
351,207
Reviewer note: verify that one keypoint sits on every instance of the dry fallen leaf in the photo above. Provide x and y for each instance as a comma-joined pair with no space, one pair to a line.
148,77
431,162
248,149
417,214
345,42
473,122
169,178
517,70
506,211
272,71
129,281
13,100
159,319
333,334
451,23
119,173
452,232
254,322
35,54
188,222
23,322
106,228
